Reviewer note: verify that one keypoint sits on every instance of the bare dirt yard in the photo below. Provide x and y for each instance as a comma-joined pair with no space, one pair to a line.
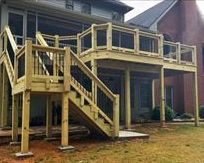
175,143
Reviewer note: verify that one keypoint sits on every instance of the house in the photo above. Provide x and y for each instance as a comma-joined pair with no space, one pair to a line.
77,60
179,21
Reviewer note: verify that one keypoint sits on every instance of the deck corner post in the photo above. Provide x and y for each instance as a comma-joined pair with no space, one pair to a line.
78,44
28,64
162,98
136,42
109,36
161,45
93,37
178,54
116,115
67,69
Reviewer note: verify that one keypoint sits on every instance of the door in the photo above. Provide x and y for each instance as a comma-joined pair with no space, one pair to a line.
17,24
169,96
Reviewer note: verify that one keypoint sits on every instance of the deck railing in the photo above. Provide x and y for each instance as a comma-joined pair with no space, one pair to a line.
117,38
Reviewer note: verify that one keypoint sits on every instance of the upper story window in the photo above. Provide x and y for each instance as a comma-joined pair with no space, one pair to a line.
69,4
116,16
86,7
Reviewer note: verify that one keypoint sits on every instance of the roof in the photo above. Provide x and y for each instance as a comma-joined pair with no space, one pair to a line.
148,17
120,4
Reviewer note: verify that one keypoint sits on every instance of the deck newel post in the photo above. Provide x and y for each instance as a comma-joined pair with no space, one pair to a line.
178,54
15,118
136,41
94,86
93,37
109,36
161,45
116,116
65,102
78,44
127,99
49,117
162,98
4,104
195,94
26,102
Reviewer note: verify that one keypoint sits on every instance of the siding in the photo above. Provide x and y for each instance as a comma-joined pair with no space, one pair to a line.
97,8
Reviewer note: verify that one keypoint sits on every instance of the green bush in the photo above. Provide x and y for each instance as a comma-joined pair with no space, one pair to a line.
186,116
201,112
169,113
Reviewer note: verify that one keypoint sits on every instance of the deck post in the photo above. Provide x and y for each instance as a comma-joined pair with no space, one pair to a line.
78,44
116,115
4,104
153,94
94,86
15,118
162,98
25,126
49,117
109,36
178,54
161,45
136,42
195,94
127,99
93,37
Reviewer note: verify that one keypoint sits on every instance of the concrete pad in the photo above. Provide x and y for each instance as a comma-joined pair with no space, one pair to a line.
23,155
15,143
132,134
67,149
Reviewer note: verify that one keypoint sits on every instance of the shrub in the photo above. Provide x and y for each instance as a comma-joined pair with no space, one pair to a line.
201,112
169,113
186,116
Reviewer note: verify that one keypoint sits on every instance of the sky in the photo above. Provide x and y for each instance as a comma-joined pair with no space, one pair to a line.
139,6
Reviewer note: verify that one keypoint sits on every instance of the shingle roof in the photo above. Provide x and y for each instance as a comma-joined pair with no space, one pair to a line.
121,4
148,17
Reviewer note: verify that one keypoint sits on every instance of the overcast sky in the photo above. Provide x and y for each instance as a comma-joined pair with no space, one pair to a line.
139,6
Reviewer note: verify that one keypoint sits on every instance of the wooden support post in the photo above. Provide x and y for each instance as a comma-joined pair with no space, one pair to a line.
15,118
65,120
109,36
25,123
162,98
116,115
94,86
195,96
127,99
4,104
153,94
49,117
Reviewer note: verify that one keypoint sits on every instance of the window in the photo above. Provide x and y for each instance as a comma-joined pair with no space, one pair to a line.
116,16
86,8
145,95
69,4
169,96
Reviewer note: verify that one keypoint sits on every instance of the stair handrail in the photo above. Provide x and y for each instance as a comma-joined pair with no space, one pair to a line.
113,97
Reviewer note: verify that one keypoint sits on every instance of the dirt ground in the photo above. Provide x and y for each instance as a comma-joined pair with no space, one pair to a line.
176,143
